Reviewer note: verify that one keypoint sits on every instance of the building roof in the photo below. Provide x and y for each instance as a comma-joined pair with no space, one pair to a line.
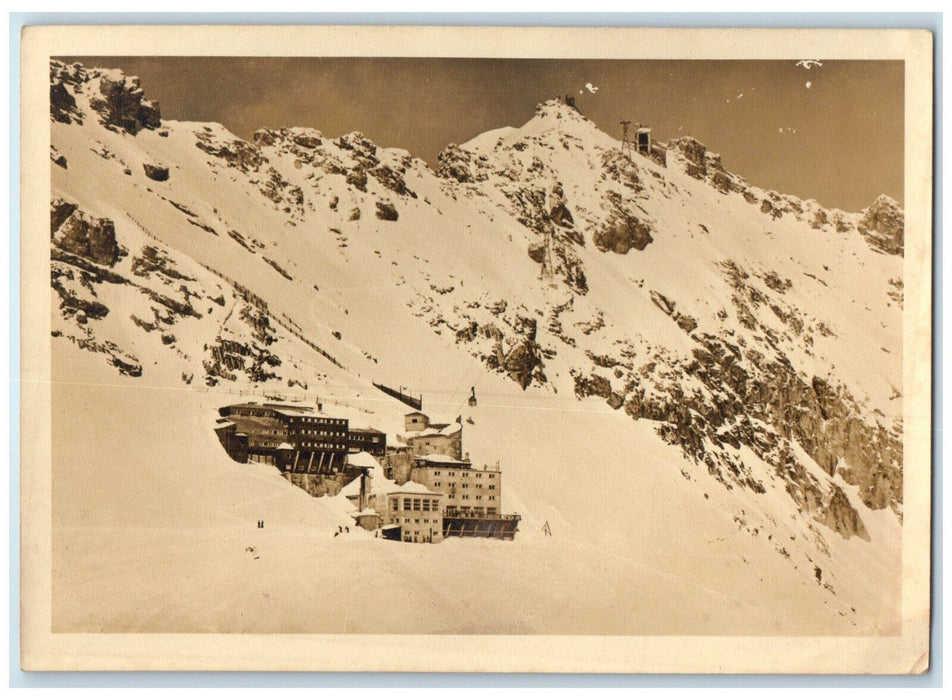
411,487
435,430
285,446
362,459
414,413
441,459
291,411
367,430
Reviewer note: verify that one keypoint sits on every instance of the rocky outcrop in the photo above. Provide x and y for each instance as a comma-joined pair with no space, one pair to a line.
455,163
121,103
60,211
238,154
623,230
153,171
63,107
883,225
83,235
694,153
387,211
522,363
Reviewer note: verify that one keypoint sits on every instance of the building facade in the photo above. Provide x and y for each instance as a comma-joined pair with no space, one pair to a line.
417,511
318,443
367,440
424,437
463,487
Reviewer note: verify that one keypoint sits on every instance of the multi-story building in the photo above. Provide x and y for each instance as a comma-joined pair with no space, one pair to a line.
367,440
464,487
424,437
417,511
472,497
296,438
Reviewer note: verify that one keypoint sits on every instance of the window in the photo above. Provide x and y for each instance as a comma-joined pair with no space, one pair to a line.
436,483
416,504
479,498
492,476
394,504
492,487
465,486
406,504
492,498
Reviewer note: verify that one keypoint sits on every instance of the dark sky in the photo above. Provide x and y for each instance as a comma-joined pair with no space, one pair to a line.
839,141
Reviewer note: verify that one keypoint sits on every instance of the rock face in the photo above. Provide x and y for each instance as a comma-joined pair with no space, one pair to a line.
694,152
624,232
83,235
883,225
60,211
387,211
122,104
159,173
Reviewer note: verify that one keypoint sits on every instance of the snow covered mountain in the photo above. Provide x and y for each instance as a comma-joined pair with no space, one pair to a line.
678,370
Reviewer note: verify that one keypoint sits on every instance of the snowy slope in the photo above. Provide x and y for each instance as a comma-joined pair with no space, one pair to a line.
647,338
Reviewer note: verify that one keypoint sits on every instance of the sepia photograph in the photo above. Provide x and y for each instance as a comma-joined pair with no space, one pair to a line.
446,358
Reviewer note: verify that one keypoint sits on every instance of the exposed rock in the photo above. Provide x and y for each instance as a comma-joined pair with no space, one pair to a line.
159,173
305,140
62,104
60,211
839,515
694,152
623,231
122,104
522,362
883,225
239,154
686,323
662,302
354,214
88,237
358,178
386,211
592,385
58,158
454,163
537,252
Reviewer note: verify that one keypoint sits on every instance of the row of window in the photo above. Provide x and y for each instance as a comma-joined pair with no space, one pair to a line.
325,421
464,474
478,497
422,504
452,485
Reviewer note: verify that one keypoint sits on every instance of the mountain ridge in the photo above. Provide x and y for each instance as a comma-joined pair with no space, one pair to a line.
544,258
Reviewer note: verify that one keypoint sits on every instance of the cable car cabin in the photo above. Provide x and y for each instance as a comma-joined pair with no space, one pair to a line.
643,140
